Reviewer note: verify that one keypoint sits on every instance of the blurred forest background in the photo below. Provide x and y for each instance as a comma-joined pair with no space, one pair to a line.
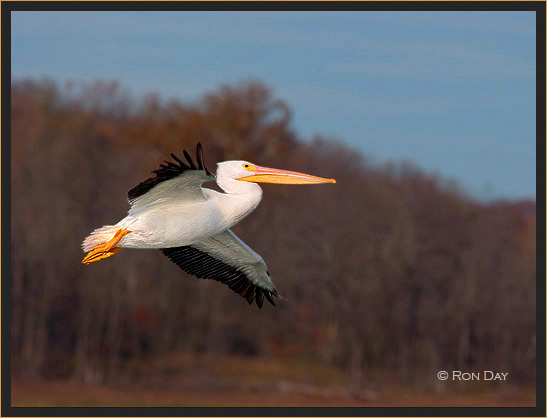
391,275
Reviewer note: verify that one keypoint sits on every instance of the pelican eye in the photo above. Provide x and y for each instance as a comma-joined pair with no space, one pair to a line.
248,167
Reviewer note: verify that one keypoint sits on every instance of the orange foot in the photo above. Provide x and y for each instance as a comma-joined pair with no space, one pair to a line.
107,249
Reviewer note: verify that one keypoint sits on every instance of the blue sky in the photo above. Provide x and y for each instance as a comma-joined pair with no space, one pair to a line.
453,92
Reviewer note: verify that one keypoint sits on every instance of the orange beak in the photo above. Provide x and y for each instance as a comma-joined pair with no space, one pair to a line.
273,175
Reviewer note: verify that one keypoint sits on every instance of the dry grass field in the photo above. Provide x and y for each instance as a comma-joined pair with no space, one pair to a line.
65,393
204,380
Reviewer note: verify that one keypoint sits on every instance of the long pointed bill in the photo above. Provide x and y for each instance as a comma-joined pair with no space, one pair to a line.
273,175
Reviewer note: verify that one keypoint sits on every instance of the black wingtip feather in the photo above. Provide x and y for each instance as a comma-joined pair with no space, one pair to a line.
178,160
167,171
250,293
189,159
202,265
269,297
260,297
199,156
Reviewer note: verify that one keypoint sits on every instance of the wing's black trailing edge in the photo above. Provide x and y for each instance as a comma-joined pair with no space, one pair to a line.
204,266
169,170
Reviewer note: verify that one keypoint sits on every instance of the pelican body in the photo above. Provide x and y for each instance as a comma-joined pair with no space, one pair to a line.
191,224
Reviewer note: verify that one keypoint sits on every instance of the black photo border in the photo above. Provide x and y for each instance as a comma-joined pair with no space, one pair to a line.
8,6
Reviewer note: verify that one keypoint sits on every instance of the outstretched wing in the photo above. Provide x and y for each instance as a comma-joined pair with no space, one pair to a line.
173,180
224,257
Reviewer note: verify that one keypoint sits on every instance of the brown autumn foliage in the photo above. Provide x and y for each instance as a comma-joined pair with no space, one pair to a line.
389,270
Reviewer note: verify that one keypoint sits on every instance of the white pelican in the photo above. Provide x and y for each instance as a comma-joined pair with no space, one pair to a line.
191,224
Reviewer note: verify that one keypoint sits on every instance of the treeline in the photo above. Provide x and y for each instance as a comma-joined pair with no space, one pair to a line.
389,270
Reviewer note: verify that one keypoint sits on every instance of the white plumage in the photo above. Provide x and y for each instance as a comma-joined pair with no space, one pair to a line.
191,224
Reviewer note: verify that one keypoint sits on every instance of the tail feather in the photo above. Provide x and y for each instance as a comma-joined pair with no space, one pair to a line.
99,236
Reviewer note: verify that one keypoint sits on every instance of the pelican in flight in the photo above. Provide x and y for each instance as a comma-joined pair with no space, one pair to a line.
191,224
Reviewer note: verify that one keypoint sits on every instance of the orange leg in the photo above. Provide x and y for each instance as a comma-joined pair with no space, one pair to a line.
107,249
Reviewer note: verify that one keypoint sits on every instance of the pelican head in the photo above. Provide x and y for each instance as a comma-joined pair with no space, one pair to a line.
246,171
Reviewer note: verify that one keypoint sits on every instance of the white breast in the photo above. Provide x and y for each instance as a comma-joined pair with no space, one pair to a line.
178,223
